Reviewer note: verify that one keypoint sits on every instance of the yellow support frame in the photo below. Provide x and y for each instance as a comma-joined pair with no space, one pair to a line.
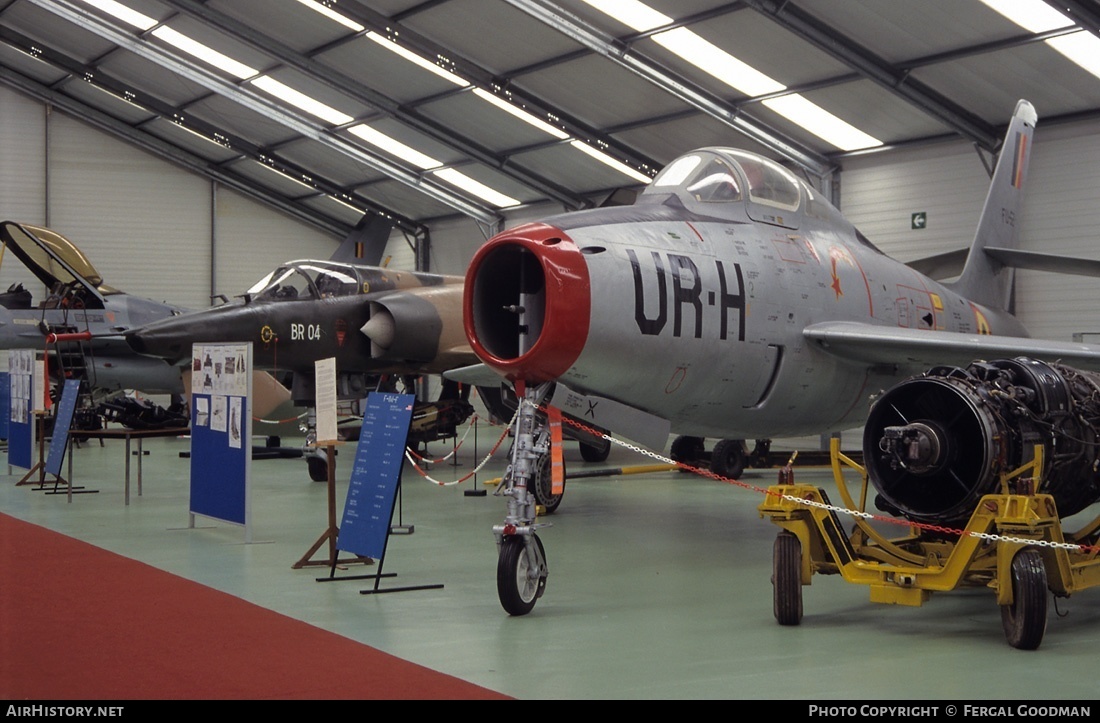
908,569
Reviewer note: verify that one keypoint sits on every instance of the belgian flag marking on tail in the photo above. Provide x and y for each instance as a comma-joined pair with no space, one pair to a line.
1019,160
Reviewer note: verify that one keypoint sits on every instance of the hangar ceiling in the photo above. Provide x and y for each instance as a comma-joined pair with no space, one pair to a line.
423,110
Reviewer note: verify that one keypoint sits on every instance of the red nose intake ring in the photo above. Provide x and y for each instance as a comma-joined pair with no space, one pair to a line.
527,303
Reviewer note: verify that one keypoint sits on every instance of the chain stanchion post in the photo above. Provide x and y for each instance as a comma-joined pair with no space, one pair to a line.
474,491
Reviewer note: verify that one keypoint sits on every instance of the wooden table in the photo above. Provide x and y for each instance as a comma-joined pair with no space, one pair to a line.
127,434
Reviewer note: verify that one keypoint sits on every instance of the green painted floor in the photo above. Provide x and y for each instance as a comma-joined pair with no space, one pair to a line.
659,586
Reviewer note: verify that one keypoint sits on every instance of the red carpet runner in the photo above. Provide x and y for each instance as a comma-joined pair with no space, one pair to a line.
80,623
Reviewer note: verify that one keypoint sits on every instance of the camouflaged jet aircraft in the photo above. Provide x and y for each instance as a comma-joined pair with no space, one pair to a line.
307,310
758,309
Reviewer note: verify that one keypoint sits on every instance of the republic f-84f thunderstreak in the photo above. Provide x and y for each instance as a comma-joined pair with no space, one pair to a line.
735,302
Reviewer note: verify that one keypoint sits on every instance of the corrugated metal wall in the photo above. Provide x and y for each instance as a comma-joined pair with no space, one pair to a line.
150,228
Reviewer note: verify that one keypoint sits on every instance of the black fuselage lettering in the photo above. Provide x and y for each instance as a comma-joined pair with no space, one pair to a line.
688,283
645,324
732,301
686,295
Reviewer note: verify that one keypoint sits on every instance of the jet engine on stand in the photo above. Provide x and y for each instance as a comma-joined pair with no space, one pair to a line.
936,443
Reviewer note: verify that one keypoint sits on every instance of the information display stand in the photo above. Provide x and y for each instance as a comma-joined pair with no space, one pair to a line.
59,440
330,534
221,427
375,480
24,414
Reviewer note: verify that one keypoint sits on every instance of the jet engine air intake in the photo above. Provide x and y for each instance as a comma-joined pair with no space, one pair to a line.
527,302
937,442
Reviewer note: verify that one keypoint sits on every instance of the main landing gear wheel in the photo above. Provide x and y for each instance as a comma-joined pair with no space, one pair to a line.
688,450
728,458
787,578
318,468
542,486
519,585
1025,620
597,452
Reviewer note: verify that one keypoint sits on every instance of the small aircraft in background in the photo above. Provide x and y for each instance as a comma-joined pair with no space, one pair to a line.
78,323
735,302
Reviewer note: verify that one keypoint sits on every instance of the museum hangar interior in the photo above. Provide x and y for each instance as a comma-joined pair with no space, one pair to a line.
188,148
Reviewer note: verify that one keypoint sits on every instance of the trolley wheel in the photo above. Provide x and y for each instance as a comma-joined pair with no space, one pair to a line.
1025,620
518,586
597,452
318,468
787,578
541,485
688,450
728,458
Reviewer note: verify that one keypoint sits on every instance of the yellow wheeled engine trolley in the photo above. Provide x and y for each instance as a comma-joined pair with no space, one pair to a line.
1013,544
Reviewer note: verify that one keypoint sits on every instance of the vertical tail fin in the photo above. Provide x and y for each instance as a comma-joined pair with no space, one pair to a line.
367,241
984,279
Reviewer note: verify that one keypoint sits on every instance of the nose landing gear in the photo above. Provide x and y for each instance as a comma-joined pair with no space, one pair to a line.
521,562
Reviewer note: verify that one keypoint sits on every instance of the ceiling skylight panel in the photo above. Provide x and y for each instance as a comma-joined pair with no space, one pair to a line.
476,188
123,13
1036,16
718,63
821,122
395,147
301,101
333,15
520,113
610,162
417,59
205,54
736,73
1082,48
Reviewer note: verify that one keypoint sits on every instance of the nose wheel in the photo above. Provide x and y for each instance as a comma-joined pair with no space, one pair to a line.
542,486
521,573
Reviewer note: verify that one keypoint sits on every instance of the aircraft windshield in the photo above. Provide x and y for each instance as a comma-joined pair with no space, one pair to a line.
306,280
769,183
715,183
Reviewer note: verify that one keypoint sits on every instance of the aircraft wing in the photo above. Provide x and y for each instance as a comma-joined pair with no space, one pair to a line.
870,344
477,375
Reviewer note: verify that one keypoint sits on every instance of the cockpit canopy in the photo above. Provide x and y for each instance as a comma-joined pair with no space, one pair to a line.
55,260
722,175
307,279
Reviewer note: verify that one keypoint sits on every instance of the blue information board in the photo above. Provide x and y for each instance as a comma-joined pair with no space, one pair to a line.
21,367
5,404
221,432
63,420
375,476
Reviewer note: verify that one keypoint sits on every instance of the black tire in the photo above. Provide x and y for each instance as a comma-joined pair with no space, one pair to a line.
517,590
597,452
1025,620
541,485
689,450
787,578
728,458
318,468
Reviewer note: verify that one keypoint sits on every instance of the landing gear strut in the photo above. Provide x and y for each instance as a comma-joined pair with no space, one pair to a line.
521,562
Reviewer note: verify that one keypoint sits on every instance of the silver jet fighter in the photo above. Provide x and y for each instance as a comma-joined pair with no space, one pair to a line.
735,302
79,307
